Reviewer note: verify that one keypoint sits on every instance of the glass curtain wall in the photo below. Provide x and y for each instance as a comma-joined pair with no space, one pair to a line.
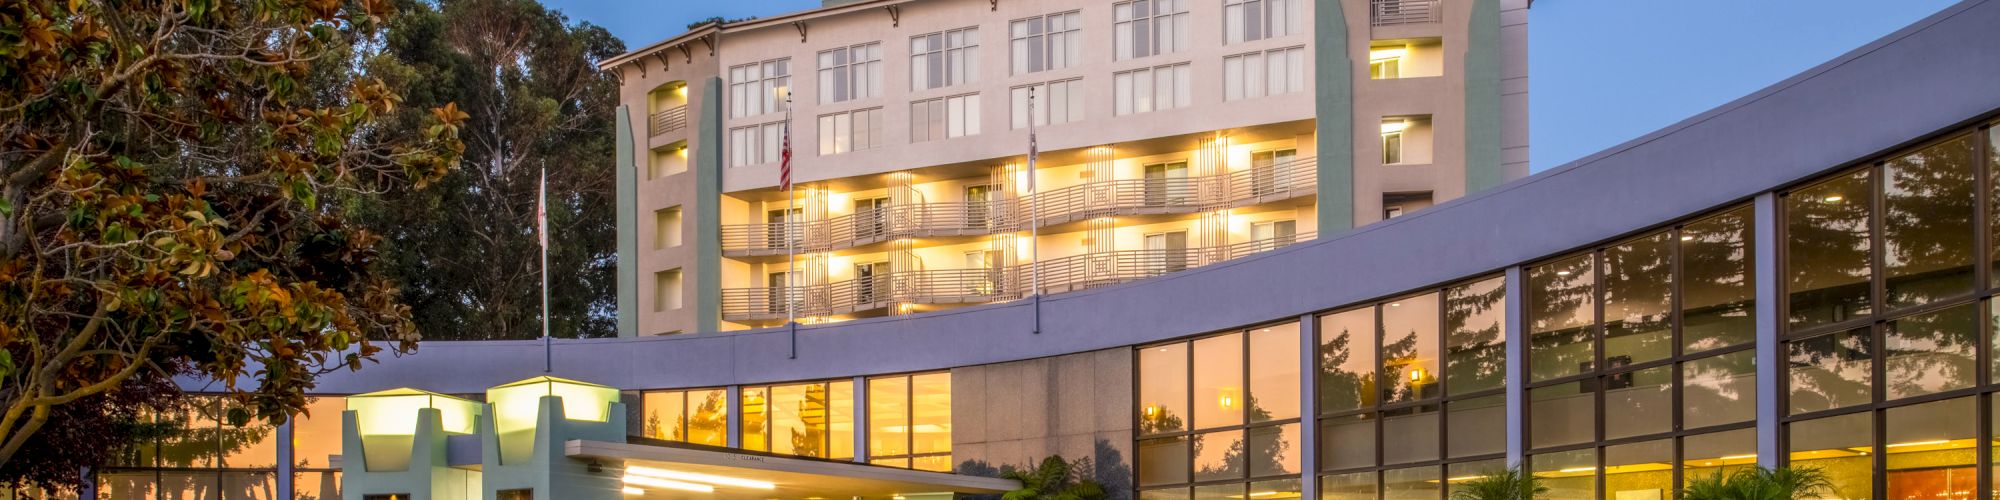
814,419
696,416
909,421
1411,393
199,455
1218,416
1641,364
1889,320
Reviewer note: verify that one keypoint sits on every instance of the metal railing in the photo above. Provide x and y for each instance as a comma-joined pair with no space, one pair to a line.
671,119
1394,12
964,286
1258,184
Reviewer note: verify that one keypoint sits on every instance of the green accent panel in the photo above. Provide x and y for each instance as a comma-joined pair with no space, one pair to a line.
427,475
1333,105
708,209
549,471
1483,168
628,228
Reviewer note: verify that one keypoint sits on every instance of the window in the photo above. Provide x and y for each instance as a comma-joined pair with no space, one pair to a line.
1386,64
1258,74
200,455
849,73
1265,177
667,228
810,420
1389,376
1143,28
944,58
1152,89
850,131
1055,103
698,416
756,144
520,494
950,117
1399,204
1274,234
1249,20
759,88
909,421
1221,411
667,290
1044,43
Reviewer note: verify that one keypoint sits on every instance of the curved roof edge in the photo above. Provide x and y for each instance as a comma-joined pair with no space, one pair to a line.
1925,78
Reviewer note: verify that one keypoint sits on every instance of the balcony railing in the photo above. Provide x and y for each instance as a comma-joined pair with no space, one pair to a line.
1259,184
1394,12
963,286
671,119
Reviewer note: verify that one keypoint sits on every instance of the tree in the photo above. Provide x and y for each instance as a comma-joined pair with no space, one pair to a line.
1758,483
163,167
465,251
1055,479
1507,484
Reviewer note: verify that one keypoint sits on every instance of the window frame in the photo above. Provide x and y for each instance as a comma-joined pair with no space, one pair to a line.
855,79
1040,42
1189,432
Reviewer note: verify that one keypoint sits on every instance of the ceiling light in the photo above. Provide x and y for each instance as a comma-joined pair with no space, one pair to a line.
700,478
1562,273
1834,198
1380,54
1919,443
1739,457
1395,126
634,491
668,484
1578,469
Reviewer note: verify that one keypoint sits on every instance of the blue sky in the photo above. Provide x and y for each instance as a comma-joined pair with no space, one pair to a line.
1601,72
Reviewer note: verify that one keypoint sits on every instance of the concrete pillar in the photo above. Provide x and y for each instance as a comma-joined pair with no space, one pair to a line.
1308,406
1517,362
1770,355
861,427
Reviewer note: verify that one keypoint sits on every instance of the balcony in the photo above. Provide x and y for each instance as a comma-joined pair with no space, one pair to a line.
1399,12
669,120
1245,187
882,294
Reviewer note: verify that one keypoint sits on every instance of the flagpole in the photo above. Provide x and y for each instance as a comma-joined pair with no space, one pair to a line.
1034,219
542,226
791,234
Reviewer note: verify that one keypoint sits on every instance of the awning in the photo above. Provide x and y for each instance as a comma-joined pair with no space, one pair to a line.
733,473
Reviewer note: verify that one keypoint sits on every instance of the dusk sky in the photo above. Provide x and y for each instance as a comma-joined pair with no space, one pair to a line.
1602,71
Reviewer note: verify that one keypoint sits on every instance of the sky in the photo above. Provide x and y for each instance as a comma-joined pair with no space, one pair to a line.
1601,72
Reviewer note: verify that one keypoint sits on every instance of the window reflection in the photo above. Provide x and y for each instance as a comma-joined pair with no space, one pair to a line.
1827,250
1347,442
1569,475
1717,286
1164,461
1475,319
1478,426
1242,390
1415,483
1831,371
909,421
1719,390
1409,434
1219,456
1410,349
1347,360
1639,402
1561,307
1931,353
1639,470
1356,486
1163,390
1927,223
1218,381
1707,455
1561,414
1638,293
1274,372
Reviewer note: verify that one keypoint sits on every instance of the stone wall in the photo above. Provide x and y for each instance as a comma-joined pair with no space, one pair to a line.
1017,413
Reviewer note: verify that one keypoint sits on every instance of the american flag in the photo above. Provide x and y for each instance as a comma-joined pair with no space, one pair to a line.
785,165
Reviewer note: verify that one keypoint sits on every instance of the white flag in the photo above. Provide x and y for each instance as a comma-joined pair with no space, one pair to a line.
542,210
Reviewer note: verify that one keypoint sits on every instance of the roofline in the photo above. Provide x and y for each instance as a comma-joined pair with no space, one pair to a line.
751,24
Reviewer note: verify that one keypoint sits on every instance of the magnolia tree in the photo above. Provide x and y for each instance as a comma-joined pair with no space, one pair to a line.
174,183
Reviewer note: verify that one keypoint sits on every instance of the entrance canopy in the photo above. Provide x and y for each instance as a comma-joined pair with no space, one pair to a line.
668,469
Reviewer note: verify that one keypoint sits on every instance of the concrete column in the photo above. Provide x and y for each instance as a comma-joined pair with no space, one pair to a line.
733,401
1517,362
861,428
1764,241
1308,406
1333,107
285,460
627,216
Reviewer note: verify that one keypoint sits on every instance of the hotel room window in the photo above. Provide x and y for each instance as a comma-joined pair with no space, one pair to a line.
1043,43
1142,28
944,58
850,73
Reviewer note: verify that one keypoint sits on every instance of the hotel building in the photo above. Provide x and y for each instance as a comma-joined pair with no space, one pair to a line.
1803,277
1172,134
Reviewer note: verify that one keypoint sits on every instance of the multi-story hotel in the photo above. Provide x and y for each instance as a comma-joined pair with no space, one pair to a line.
1172,134
1808,276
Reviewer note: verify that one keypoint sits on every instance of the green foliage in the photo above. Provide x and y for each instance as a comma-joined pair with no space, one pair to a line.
1758,483
164,166
464,253
1055,479
1507,484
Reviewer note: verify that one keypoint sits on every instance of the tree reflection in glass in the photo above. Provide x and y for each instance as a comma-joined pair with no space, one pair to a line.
1410,348
1719,390
1931,352
1638,297
1831,371
1561,311
1827,250
1717,286
1347,360
1475,319
1927,206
